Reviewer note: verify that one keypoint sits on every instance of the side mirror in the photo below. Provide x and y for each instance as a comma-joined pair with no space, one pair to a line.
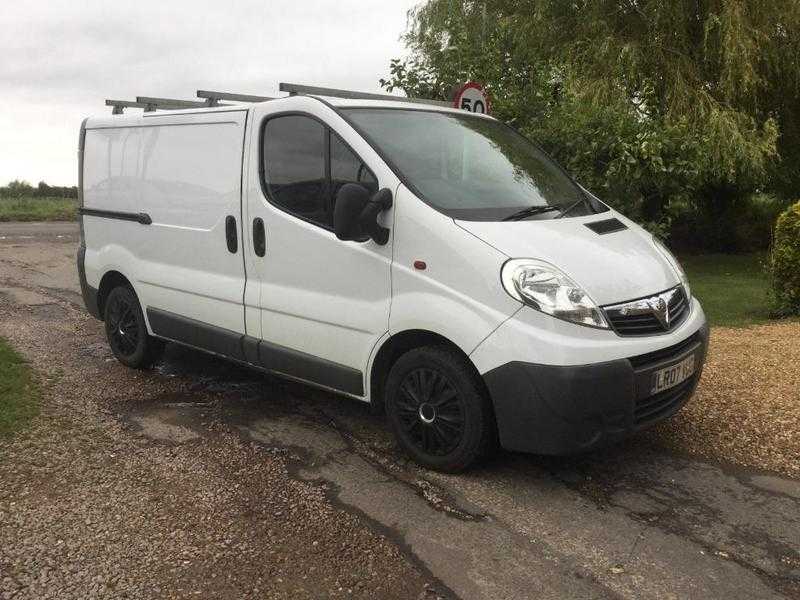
355,216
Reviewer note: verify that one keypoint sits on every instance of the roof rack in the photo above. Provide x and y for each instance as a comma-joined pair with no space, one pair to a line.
118,106
150,104
211,98
170,102
297,88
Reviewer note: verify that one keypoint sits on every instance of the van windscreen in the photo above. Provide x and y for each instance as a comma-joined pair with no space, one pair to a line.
471,168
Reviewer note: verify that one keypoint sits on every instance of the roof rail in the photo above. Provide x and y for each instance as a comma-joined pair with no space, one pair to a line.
213,98
163,103
297,88
151,104
120,105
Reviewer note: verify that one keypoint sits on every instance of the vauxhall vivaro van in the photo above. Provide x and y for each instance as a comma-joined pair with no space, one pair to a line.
430,261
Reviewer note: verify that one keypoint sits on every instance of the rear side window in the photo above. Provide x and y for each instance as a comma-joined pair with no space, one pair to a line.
305,165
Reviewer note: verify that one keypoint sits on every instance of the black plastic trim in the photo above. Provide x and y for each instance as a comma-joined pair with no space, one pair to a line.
298,364
231,234
88,293
659,356
254,352
606,226
196,333
552,409
259,237
142,218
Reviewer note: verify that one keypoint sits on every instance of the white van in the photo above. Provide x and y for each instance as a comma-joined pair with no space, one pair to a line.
427,260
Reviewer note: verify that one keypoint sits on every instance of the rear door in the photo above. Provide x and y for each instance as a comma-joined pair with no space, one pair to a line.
322,303
191,274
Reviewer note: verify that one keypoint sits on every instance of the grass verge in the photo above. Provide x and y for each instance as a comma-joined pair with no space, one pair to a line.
731,287
38,209
19,394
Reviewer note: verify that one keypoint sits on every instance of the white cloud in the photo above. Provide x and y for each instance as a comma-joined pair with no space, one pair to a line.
62,58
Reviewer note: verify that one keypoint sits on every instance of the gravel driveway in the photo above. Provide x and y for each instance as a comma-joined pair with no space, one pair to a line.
199,479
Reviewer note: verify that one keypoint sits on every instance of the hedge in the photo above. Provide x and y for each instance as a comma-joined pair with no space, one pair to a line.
785,263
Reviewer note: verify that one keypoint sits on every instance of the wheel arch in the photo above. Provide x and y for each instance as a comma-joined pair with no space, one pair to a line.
108,282
398,344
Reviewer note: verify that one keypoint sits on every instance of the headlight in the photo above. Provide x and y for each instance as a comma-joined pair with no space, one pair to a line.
546,288
675,265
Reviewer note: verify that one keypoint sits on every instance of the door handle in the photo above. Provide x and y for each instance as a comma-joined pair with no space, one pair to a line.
230,234
259,237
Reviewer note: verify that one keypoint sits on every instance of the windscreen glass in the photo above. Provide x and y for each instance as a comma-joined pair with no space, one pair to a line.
472,168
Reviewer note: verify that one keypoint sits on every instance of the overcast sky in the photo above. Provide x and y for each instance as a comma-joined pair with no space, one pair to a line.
60,59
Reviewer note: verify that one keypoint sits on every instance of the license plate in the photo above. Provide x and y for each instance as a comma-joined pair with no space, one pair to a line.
669,377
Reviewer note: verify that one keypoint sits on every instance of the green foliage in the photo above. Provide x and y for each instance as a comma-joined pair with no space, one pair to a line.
38,209
785,263
23,189
19,395
638,167
739,224
656,106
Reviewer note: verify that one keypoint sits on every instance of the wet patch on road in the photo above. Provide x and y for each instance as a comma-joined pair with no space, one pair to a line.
706,503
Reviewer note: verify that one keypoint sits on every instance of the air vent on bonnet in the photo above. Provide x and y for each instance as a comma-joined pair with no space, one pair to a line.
607,226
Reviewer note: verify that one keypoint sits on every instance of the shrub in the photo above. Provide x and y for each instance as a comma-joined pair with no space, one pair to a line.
729,225
785,263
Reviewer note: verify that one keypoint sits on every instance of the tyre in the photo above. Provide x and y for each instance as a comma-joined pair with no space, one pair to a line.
438,409
126,330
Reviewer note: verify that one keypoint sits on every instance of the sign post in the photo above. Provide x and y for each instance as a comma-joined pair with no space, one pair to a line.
472,97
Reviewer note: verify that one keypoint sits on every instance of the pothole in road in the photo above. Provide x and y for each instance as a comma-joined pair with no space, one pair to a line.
48,312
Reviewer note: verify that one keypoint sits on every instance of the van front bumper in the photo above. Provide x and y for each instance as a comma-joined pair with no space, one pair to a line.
549,409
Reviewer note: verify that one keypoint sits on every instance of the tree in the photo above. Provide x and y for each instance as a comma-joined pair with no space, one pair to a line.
18,188
662,106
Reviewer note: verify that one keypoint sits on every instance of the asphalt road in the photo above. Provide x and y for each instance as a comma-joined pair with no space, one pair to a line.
633,521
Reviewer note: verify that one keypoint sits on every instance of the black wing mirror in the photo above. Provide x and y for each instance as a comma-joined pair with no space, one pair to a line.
355,216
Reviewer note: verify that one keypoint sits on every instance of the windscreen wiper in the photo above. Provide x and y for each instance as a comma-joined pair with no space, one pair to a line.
529,212
573,205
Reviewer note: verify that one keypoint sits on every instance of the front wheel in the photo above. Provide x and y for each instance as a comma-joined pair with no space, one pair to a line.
127,332
438,408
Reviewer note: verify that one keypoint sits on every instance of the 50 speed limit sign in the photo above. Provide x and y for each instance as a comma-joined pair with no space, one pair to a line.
472,97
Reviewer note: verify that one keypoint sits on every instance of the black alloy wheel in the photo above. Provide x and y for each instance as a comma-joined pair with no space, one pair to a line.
430,411
438,408
121,326
127,332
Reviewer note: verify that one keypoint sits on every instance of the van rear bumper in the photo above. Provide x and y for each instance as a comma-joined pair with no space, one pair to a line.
548,409
88,292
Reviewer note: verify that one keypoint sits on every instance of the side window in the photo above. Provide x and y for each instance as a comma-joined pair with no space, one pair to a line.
305,166
346,167
294,166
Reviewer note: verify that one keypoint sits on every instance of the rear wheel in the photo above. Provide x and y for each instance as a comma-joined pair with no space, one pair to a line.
126,330
438,408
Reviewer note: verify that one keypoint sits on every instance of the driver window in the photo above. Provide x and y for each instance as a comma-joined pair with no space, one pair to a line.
305,166
346,167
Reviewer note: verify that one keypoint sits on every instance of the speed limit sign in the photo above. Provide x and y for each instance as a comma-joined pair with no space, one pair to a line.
472,97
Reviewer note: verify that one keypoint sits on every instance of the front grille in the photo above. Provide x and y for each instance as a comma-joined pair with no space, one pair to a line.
657,356
660,405
638,318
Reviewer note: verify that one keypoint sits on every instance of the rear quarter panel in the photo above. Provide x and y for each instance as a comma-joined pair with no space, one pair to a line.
184,170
